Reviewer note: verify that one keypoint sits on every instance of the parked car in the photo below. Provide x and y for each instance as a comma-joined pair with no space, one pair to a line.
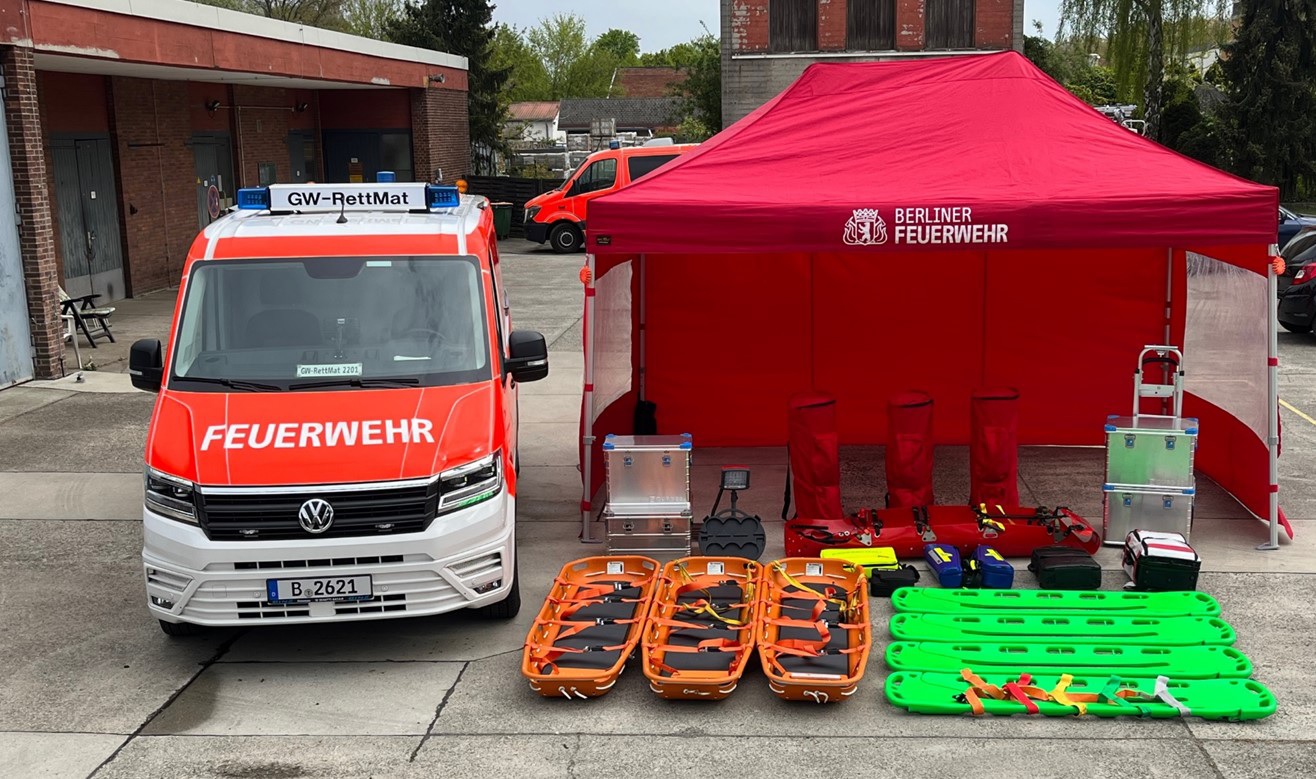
1299,251
559,216
1290,224
1297,306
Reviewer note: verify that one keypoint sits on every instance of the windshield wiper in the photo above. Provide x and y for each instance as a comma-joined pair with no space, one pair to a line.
238,384
395,381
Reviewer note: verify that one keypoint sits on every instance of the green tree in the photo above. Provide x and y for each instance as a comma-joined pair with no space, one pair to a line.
624,45
462,27
575,67
701,92
1270,72
1094,85
1139,35
679,56
528,79
370,18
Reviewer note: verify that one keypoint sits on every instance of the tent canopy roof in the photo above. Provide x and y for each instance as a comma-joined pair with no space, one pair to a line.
969,152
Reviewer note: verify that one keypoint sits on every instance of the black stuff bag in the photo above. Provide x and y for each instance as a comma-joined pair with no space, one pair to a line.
1065,568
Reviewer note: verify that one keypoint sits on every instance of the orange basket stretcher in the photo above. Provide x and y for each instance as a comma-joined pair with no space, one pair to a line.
814,634
589,626
700,630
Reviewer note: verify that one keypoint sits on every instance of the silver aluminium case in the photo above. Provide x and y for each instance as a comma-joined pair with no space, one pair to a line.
663,537
1150,483
648,474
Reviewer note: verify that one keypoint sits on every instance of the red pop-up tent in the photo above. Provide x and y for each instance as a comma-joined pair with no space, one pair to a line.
941,225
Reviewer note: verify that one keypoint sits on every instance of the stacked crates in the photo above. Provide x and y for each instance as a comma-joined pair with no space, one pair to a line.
1149,458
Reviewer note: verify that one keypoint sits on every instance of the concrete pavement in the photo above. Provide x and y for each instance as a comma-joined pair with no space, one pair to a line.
92,688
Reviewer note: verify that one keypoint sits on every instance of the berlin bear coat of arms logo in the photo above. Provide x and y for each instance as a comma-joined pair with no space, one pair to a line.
865,228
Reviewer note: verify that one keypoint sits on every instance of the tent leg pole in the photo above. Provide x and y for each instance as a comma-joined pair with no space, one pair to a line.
643,334
1272,407
587,407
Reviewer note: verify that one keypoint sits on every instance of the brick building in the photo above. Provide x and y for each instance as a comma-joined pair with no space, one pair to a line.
767,44
130,124
647,81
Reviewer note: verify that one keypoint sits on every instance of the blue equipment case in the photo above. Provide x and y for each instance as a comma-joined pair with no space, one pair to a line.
944,561
994,571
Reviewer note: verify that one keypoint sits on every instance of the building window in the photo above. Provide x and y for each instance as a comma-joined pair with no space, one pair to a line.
793,25
870,25
950,24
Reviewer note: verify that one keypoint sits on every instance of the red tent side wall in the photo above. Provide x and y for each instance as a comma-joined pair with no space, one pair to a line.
731,337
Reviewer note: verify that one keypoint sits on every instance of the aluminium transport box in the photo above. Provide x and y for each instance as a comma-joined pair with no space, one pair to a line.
661,537
648,474
1151,451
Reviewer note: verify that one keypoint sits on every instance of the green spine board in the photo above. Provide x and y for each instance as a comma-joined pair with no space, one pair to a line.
1088,628
1183,662
1215,699
1143,604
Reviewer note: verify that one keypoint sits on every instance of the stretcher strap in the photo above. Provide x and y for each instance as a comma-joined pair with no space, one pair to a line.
709,608
1061,695
711,645
545,656
1161,692
683,625
1024,692
798,647
578,626
828,594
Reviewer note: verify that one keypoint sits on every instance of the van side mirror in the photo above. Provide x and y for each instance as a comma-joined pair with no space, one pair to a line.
527,358
146,365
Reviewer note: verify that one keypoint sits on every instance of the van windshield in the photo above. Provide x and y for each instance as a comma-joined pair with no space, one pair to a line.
336,323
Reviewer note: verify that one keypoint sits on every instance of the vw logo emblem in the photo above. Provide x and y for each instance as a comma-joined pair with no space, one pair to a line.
315,515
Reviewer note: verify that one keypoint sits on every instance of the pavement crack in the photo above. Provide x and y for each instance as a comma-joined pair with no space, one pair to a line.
220,651
437,711
571,761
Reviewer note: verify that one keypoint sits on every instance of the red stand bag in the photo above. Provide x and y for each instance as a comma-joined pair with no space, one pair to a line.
814,476
994,448
909,450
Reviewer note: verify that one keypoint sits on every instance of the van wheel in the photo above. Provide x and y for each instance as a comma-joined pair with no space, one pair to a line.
176,629
1295,328
507,607
566,238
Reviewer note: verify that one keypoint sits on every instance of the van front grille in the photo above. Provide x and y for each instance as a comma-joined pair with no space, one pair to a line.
268,516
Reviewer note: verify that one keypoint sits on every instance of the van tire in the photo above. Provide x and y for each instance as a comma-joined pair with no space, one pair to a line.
508,607
566,238
177,629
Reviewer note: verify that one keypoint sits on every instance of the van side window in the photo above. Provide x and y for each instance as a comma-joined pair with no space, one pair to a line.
600,175
643,166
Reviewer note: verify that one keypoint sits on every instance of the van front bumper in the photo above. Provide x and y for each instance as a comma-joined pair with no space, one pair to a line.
536,231
463,560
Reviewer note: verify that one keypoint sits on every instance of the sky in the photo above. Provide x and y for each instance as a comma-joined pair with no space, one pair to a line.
664,23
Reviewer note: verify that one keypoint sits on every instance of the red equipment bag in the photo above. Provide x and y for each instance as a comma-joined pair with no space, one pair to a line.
909,450
814,470
1014,531
994,448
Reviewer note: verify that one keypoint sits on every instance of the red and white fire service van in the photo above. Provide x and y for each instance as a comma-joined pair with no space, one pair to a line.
335,433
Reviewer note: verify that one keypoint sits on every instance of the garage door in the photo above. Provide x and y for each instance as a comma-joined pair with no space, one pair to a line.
15,338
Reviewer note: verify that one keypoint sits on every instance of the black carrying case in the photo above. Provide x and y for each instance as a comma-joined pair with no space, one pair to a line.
884,581
1065,568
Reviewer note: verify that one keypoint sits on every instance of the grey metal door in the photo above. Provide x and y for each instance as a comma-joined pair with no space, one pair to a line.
88,218
212,157
15,336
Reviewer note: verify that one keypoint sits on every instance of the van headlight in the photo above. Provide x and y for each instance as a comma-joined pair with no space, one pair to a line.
530,213
469,484
170,496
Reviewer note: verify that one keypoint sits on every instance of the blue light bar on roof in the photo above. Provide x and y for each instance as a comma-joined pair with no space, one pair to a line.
254,198
442,197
